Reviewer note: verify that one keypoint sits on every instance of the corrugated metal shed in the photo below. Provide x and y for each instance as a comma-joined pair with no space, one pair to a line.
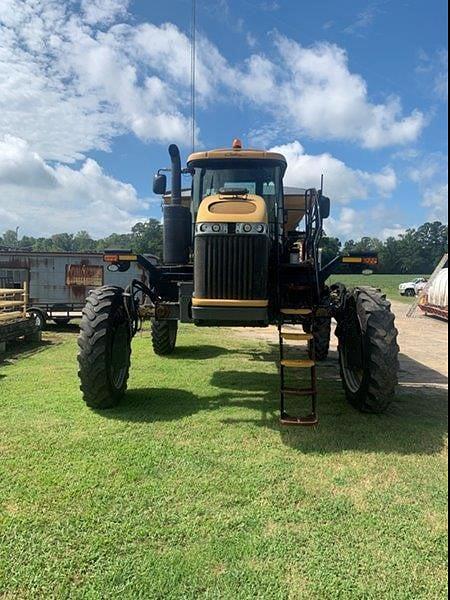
61,278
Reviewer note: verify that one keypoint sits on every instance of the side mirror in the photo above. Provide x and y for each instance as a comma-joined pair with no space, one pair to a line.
325,207
160,185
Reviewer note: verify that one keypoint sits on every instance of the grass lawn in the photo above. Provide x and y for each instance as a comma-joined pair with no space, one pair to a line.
388,283
190,489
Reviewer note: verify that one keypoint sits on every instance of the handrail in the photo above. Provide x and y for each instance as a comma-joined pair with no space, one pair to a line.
314,231
10,301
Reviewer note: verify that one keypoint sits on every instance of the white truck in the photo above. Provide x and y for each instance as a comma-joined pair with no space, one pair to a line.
412,288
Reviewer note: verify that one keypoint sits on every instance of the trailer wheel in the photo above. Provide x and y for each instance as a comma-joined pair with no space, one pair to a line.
322,337
368,351
105,348
39,318
164,337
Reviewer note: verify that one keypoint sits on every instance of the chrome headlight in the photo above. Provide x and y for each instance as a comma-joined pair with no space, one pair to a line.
210,228
252,228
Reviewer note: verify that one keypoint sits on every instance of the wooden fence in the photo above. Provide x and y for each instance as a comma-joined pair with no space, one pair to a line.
13,304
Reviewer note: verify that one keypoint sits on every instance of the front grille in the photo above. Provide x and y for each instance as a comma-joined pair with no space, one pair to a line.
231,267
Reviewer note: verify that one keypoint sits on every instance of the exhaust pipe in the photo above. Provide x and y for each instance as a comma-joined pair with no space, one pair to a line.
175,157
177,218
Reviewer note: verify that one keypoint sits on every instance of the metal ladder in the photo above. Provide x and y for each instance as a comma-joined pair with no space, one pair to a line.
290,314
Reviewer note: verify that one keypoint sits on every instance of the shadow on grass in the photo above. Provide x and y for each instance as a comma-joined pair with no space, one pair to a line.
23,349
73,328
198,352
415,424
149,405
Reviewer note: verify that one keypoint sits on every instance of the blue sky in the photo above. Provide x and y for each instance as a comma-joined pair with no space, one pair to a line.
91,93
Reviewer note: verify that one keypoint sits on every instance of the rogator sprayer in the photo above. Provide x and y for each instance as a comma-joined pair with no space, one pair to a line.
240,250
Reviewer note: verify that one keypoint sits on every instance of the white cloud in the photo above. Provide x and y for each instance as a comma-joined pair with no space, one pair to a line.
60,198
270,5
67,86
430,173
251,39
362,21
436,200
342,183
428,168
345,226
21,167
71,81
435,69
350,223
395,232
441,85
103,11
320,97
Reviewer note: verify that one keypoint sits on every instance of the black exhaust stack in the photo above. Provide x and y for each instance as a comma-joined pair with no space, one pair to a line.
177,218
175,157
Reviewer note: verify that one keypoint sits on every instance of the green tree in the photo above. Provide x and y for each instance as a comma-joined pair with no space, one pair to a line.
148,237
390,261
415,251
366,244
331,246
115,241
82,242
62,242
432,239
10,239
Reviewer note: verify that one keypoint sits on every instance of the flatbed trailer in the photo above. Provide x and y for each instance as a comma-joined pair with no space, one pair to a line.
14,320
435,311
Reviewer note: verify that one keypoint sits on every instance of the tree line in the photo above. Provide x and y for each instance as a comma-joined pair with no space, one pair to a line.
417,251
144,238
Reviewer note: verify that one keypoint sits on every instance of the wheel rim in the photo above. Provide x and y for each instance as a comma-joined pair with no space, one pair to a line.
353,355
119,355
38,320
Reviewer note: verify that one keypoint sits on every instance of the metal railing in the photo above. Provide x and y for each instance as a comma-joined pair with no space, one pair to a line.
314,231
13,304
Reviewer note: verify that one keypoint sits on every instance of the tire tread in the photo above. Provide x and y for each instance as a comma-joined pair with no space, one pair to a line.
92,356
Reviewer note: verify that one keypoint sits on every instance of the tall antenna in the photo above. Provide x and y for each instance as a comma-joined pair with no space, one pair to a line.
193,70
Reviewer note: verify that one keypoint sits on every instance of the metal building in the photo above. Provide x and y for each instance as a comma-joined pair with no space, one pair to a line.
59,282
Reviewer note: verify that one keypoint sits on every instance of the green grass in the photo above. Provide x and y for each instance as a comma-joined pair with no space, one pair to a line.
190,489
388,283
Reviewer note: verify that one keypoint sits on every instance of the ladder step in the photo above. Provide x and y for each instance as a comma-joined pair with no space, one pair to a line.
296,311
298,364
298,392
308,421
304,337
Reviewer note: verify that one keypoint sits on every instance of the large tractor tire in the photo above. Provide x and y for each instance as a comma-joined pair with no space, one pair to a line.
105,348
368,351
164,337
322,337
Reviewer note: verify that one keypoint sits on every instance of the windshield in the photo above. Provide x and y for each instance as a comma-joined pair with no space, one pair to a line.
260,178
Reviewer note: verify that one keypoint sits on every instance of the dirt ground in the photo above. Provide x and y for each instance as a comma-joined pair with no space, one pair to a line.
423,344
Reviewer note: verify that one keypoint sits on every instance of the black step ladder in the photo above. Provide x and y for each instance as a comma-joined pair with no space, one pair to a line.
290,315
